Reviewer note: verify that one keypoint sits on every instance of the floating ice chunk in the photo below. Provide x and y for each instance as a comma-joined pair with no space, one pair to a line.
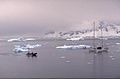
117,43
67,61
32,46
30,39
89,62
16,40
95,54
62,57
63,47
20,50
73,46
113,58
104,38
24,48
75,39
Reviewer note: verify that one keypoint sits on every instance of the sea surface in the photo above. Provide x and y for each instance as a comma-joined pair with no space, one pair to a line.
60,63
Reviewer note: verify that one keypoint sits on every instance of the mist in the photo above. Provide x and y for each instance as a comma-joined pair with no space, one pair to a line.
40,16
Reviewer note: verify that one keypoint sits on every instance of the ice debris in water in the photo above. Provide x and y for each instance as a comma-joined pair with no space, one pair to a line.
62,57
25,48
89,62
73,47
30,39
95,54
117,43
68,61
113,58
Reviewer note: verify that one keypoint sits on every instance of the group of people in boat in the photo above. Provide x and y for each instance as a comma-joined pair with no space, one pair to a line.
31,54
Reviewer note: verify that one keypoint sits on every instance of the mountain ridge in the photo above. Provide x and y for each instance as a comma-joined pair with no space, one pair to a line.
86,29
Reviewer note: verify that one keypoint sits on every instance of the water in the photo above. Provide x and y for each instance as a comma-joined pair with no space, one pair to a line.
59,63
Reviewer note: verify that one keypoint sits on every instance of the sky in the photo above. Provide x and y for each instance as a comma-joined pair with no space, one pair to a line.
39,16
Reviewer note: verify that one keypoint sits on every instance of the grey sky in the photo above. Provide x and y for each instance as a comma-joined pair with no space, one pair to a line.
46,15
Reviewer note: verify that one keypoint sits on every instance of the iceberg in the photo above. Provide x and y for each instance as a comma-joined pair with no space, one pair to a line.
30,39
32,46
117,43
73,47
24,48
21,39
18,50
16,40
75,39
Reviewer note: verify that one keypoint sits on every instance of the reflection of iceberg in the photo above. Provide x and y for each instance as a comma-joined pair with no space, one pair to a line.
16,40
75,39
73,47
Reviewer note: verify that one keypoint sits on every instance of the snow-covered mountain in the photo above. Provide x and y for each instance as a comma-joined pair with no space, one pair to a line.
86,29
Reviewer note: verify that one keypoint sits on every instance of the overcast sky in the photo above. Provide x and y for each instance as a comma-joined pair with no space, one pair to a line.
24,16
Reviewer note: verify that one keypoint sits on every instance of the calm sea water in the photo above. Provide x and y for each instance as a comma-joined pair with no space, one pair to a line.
59,63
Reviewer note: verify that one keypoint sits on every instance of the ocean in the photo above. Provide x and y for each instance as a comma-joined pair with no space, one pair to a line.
60,63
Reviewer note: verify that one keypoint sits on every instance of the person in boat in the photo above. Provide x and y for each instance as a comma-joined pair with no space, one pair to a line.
99,48
34,54
31,54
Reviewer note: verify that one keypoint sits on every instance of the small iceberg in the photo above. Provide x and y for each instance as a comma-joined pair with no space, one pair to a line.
16,40
30,39
62,57
67,61
20,39
103,38
32,46
73,47
18,50
75,39
64,47
25,48
117,43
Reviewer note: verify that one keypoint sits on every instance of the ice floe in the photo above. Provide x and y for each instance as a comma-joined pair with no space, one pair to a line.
62,57
73,47
21,39
117,43
16,40
30,39
24,48
67,61
20,50
75,39
32,46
